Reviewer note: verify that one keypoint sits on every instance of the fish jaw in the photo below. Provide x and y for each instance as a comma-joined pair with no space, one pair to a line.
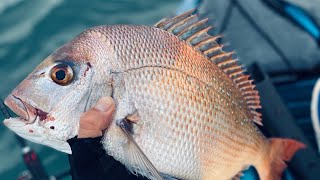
39,126
30,123
35,133
27,125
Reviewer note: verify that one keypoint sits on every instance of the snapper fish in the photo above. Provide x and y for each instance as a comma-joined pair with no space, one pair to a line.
184,107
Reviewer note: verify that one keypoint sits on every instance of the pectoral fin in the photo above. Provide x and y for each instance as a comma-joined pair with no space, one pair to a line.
139,163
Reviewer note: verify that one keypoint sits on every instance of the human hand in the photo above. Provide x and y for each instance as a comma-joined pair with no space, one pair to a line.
96,119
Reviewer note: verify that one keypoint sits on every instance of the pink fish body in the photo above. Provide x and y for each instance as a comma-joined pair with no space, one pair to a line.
192,110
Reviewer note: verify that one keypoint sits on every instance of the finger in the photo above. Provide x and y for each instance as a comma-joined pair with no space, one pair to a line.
97,118
104,104
107,118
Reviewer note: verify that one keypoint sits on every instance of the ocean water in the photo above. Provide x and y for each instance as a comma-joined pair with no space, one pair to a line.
31,29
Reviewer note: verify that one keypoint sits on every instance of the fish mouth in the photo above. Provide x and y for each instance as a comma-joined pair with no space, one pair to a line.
27,112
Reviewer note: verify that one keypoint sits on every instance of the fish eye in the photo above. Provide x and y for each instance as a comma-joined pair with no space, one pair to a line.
62,74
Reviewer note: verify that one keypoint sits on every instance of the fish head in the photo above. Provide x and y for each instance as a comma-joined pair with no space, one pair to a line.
50,100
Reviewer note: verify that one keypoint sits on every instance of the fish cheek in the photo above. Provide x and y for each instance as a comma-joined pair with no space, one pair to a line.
63,121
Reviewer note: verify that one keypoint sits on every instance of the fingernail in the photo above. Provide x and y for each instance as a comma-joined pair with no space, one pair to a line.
104,104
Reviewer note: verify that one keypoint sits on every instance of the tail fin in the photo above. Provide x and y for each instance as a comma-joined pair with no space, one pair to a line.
281,150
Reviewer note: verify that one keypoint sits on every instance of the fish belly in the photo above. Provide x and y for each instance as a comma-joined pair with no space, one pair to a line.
189,129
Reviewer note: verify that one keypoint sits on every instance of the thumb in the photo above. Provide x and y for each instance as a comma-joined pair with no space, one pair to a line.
96,119
106,106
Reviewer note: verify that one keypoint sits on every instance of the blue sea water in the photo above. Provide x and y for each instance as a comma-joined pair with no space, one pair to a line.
31,29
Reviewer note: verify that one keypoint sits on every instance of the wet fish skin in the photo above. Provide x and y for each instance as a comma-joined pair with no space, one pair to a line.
192,119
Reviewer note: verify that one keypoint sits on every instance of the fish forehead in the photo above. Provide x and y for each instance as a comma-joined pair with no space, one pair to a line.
89,46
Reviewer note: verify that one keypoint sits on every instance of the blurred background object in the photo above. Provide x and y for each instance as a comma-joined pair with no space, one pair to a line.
282,43
315,111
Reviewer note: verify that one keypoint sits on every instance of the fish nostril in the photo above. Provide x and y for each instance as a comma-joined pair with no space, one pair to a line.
41,74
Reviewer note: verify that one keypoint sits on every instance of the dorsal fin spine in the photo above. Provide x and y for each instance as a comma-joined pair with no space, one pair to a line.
181,23
161,23
251,97
241,78
197,33
250,87
253,102
244,83
212,49
194,32
254,107
239,72
195,24
175,19
210,39
252,92
233,68
221,57
228,62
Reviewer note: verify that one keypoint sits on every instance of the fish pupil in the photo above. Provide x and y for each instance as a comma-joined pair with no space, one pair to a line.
60,75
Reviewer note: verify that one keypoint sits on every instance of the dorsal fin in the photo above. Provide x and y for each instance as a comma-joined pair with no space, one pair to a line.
193,31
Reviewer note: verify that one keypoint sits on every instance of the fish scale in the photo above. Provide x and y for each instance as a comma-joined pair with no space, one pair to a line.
144,91
184,107
175,142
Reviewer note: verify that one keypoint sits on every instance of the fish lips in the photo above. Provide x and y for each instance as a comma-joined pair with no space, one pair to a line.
27,112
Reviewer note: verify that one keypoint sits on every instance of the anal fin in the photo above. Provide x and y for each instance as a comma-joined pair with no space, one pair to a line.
139,163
